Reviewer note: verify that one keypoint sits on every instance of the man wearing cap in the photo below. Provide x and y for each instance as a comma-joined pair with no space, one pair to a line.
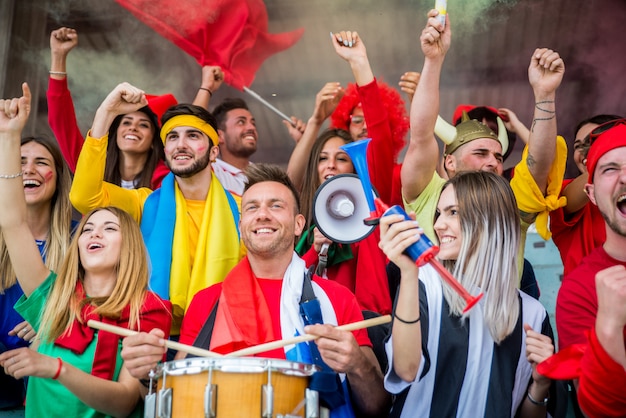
180,220
473,146
591,304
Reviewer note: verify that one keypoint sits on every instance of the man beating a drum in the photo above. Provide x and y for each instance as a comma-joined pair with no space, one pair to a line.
268,296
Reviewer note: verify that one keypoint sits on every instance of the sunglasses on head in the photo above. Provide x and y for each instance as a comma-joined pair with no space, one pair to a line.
357,119
600,129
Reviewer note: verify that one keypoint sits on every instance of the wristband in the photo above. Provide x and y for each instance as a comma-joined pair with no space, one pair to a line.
538,403
407,322
205,89
11,176
58,373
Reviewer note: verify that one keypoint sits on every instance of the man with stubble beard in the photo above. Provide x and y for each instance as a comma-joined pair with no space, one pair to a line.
237,142
185,218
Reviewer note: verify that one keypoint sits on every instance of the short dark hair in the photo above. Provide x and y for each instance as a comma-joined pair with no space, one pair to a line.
189,109
596,120
228,104
259,173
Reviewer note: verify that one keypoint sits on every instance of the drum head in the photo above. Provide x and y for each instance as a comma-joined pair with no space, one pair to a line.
235,365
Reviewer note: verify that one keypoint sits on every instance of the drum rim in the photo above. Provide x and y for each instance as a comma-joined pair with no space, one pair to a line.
235,365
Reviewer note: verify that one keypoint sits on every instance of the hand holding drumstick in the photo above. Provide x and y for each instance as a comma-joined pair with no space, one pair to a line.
143,351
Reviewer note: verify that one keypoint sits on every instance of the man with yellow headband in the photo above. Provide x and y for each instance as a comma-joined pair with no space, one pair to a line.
190,224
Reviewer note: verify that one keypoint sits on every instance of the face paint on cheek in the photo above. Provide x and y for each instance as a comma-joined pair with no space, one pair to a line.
202,149
48,176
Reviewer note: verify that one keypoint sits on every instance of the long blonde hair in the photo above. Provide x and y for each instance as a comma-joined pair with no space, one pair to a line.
488,256
59,234
64,305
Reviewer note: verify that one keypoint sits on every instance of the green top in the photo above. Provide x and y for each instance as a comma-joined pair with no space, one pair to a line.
47,397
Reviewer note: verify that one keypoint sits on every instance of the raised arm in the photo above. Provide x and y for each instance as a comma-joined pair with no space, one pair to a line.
408,84
397,234
89,190
29,268
350,47
61,113
611,319
212,79
378,102
513,124
545,74
326,101
420,161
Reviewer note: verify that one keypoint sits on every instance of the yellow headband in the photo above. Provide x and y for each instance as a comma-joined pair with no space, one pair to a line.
194,122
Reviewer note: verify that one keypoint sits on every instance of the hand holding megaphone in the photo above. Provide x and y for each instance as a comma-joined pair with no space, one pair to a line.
423,251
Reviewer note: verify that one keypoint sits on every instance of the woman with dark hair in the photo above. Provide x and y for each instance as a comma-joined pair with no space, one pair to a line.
134,152
445,362
368,108
103,276
359,266
46,184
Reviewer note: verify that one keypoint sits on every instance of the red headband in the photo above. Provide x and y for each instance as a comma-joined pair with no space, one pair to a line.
605,142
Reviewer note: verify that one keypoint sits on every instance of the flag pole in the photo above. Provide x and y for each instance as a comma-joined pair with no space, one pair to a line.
269,105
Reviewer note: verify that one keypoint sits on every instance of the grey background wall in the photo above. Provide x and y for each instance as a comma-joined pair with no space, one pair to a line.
487,64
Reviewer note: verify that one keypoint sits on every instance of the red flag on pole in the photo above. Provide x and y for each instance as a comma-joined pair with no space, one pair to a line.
230,33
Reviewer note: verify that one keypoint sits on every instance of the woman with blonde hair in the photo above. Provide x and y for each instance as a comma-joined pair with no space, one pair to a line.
104,276
447,363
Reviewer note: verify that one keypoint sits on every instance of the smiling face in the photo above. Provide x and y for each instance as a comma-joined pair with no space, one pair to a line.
448,225
269,222
240,136
579,142
40,174
608,190
100,242
333,160
188,151
135,133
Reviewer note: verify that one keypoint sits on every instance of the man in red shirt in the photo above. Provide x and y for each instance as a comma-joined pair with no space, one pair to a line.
591,305
259,300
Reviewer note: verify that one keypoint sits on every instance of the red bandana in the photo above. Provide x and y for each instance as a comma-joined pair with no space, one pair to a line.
243,318
154,313
607,141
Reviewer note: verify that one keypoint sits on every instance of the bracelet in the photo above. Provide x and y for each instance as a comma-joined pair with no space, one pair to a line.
205,89
11,176
58,373
407,322
535,402
57,72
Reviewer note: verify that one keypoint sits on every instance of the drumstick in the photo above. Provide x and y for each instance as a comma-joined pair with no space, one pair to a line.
125,332
249,351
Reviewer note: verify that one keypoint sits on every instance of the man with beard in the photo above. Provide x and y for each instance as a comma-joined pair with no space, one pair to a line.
237,142
185,215
591,304
261,300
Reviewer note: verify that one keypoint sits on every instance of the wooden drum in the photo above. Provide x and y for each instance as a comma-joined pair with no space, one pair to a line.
233,387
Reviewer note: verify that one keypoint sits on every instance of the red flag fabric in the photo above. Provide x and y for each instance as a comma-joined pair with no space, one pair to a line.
564,365
230,33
